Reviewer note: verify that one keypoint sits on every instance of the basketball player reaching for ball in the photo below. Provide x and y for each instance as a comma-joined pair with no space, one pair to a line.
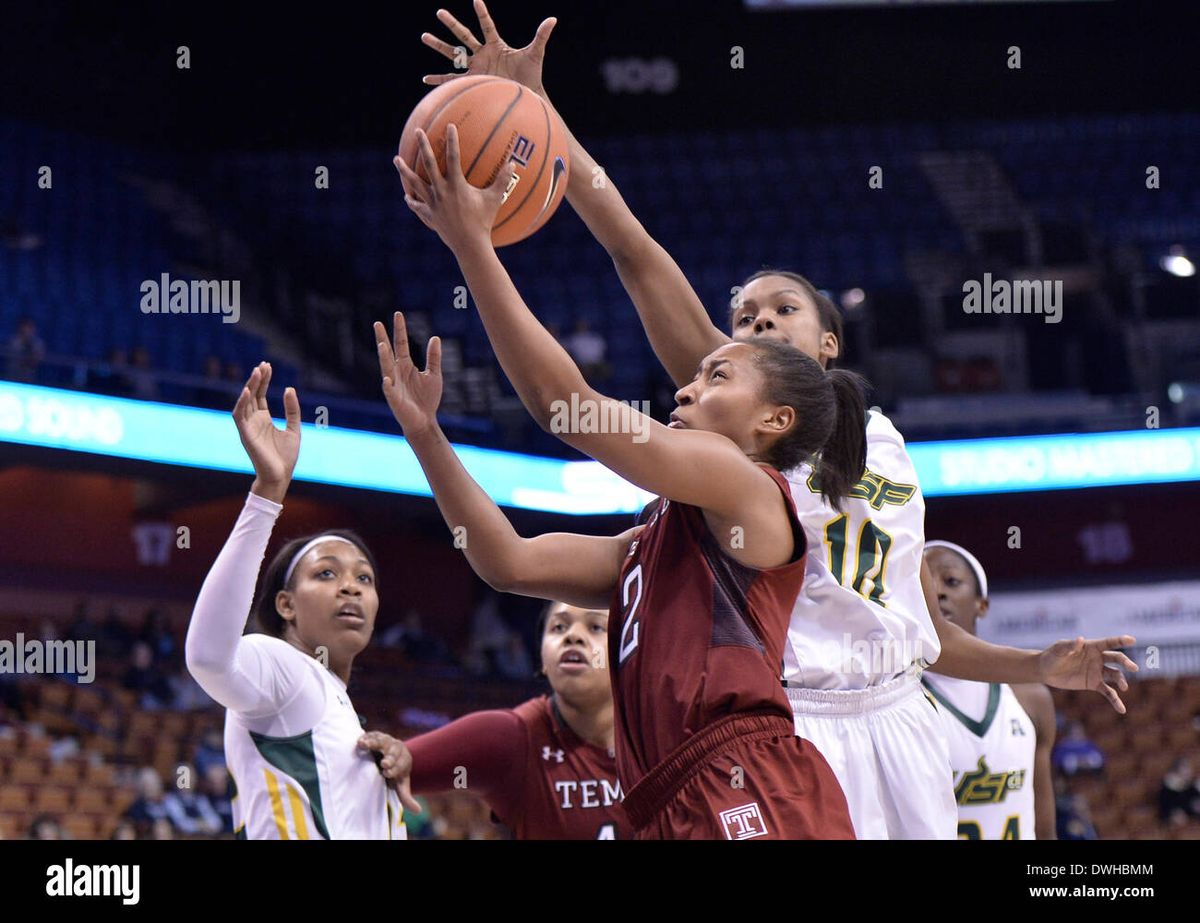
291,733
699,600
867,620
1000,736
546,768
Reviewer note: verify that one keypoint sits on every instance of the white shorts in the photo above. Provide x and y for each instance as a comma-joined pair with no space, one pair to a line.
887,747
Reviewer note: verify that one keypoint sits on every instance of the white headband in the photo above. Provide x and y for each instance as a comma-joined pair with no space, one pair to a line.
287,577
971,560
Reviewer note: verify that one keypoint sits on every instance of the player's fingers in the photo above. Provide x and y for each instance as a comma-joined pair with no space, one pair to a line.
421,210
436,80
1119,659
260,398
385,348
433,357
291,410
454,170
486,26
1113,699
445,49
245,403
1116,678
429,161
400,338
404,790
460,32
411,180
242,409
500,182
372,740
538,45
1119,641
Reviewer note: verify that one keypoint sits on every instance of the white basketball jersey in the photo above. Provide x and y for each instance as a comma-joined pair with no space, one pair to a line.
861,617
315,785
992,743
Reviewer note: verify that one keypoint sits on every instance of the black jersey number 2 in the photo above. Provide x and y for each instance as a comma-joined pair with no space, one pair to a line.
632,587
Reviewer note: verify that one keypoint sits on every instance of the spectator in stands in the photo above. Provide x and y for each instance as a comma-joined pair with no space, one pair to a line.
210,752
1074,753
588,348
143,376
161,829
124,830
418,645
235,380
490,636
46,827
112,377
10,701
113,638
8,723
154,805
147,679
215,393
215,791
1179,794
25,352
16,237
1073,819
156,633
84,625
195,814
186,693
513,660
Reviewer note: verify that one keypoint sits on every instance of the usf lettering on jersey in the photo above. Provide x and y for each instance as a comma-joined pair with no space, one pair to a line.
991,755
861,618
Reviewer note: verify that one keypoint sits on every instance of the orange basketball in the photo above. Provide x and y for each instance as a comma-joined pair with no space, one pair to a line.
501,125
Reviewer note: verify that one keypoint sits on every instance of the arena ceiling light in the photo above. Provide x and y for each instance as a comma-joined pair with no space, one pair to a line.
1177,263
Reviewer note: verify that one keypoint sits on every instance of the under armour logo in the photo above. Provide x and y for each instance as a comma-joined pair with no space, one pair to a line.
547,753
743,823
1016,727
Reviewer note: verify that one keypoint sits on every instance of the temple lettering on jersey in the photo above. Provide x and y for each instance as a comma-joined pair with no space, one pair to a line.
589,793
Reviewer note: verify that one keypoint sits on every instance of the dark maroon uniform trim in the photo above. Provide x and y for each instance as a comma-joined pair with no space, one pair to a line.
540,779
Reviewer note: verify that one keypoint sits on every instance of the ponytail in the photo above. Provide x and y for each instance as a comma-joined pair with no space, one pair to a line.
831,417
843,458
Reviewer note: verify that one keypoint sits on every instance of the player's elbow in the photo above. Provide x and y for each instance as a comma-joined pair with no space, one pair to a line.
635,254
512,571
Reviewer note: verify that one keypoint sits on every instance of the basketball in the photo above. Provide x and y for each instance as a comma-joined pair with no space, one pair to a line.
501,125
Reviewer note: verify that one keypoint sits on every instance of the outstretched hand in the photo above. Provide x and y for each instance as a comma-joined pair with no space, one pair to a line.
460,213
272,451
1095,665
493,56
413,395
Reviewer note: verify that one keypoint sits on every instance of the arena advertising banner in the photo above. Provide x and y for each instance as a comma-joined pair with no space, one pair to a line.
1156,613
175,435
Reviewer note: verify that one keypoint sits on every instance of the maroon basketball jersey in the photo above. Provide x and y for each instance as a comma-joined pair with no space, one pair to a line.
569,787
694,635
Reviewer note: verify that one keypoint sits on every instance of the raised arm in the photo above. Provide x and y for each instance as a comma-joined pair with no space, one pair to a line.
580,569
695,467
242,672
676,323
